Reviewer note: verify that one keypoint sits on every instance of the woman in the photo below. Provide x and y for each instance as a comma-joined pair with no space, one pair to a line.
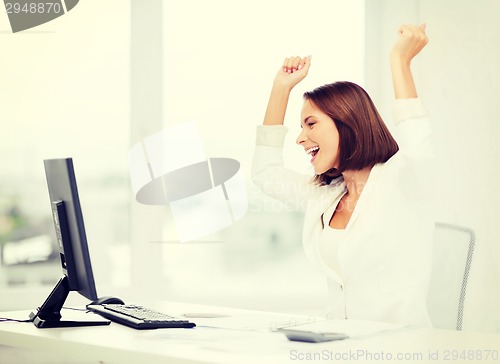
368,224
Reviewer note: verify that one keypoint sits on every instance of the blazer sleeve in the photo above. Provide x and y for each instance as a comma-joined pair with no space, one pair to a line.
414,137
269,173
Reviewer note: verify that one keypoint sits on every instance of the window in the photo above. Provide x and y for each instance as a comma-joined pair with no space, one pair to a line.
65,94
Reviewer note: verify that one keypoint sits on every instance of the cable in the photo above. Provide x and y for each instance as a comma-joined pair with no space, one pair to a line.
5,319
76,309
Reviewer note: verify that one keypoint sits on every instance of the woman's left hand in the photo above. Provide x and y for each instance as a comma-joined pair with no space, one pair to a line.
411,41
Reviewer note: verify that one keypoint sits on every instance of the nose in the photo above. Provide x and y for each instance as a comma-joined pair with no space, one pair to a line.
302,137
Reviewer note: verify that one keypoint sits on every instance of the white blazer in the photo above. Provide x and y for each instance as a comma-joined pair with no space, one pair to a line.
385,256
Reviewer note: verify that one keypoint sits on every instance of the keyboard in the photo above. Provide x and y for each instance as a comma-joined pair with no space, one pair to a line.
139,317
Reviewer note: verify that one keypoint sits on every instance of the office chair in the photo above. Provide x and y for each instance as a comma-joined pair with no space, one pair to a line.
452,257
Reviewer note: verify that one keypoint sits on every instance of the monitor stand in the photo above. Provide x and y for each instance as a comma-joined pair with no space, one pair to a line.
49,314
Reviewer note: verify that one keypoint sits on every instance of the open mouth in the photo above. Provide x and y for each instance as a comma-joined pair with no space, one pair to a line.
313,151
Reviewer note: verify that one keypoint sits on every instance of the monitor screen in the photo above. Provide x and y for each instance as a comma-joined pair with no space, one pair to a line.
73,249
75,258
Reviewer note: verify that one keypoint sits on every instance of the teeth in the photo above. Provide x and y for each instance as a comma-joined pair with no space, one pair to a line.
312,149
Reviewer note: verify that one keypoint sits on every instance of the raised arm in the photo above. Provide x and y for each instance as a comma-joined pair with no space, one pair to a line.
268,171
411,41
414,127
292,71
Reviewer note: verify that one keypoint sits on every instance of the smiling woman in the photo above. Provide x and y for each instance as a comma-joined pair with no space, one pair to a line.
319,137
367,224
363,137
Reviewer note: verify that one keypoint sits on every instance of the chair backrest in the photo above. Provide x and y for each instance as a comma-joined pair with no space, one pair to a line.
452,257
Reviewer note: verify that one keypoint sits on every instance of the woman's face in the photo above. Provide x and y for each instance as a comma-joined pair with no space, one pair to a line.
319,138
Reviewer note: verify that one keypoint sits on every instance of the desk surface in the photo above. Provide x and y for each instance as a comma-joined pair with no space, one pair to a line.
255,343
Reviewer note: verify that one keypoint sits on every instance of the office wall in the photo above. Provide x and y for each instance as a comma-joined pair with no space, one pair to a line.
457,77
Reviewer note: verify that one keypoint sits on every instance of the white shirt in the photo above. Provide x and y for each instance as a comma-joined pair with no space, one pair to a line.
330,240
386,251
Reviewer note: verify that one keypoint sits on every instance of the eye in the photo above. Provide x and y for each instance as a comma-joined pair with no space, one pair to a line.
311,124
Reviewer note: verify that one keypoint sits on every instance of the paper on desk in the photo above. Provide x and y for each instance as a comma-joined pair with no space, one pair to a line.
261,321
352,328
251,321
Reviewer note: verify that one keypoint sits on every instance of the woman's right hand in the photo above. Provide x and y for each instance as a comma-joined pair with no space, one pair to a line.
293,70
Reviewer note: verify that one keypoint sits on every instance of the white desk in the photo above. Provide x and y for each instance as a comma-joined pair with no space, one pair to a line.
24,343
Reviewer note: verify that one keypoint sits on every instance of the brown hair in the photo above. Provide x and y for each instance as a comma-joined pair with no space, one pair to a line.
364,137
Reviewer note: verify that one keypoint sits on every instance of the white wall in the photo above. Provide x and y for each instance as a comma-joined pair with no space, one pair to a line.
458,78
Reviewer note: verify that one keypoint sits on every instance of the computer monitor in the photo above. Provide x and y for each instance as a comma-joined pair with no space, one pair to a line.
73,249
